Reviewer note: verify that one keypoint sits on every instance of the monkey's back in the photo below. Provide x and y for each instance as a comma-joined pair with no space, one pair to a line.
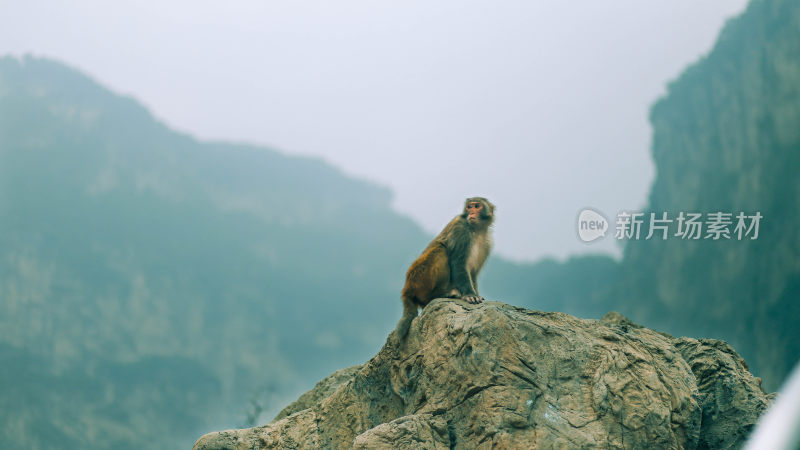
429,276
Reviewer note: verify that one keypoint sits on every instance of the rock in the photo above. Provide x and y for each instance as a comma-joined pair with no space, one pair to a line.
496,376
322,390
407,432
730,397
296,431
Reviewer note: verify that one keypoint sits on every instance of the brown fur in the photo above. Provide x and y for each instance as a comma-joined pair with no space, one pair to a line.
450,264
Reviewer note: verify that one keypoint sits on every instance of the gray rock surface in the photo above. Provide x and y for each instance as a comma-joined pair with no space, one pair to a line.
730,397
497,376
322,390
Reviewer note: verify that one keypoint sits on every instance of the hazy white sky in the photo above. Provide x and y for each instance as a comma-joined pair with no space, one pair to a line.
541,106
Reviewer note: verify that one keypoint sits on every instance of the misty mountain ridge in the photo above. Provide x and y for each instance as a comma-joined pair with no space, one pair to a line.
124,241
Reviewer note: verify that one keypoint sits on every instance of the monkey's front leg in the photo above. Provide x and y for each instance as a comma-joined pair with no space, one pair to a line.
463,281
474,299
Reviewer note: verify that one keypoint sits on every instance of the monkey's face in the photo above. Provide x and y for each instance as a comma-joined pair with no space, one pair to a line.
478,210
474,211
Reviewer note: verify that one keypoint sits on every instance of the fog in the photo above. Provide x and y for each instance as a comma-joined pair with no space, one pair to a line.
540,106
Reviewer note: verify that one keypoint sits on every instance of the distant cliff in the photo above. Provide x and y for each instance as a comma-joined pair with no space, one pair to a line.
726,137
507,377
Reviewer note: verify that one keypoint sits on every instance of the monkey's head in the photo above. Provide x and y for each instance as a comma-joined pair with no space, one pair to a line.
479,212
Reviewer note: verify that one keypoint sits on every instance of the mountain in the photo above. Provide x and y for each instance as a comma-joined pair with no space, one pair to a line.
726,138
497,376
146,277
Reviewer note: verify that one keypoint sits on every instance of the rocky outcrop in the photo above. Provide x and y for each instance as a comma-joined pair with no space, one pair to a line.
322,390
497,376
730,397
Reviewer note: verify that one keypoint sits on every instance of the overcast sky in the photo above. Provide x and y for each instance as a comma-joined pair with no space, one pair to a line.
541,106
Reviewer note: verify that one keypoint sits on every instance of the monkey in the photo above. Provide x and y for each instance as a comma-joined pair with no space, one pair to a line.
449,265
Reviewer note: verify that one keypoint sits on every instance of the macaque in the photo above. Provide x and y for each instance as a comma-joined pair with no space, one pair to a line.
450,264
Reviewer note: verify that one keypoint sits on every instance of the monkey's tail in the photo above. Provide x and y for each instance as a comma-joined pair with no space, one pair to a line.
409,313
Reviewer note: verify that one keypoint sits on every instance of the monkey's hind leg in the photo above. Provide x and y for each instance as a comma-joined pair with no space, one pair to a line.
422,284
